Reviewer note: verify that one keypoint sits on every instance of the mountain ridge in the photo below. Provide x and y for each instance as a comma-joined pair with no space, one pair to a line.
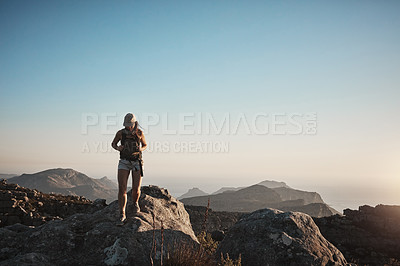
68,181
259,196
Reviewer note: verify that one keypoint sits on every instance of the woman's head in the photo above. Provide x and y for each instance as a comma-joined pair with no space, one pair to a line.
130,121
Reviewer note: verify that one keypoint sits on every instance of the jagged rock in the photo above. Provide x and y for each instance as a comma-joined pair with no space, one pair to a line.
217,235
372,235
94,238
216,221
272,237
30,207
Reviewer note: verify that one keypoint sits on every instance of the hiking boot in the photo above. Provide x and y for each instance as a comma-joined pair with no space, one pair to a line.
135,208
122,219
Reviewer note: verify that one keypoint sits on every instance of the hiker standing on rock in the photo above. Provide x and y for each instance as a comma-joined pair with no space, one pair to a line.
133,143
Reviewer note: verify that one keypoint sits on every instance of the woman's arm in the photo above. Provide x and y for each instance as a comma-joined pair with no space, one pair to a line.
114,143
144,143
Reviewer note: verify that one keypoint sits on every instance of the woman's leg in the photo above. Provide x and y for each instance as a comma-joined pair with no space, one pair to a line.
136,183
122,186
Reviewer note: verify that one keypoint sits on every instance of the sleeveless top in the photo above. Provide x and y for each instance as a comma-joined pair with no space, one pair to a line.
131,143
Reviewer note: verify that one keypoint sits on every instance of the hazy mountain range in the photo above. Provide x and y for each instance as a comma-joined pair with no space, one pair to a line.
193,192
68,182
266,194
248,199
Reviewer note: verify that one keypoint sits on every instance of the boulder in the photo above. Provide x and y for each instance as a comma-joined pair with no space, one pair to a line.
94,238
372,234
273,237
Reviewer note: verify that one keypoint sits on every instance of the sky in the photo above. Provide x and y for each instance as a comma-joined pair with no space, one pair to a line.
228,93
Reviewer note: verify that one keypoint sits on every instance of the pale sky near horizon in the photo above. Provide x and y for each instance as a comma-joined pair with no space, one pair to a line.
71,66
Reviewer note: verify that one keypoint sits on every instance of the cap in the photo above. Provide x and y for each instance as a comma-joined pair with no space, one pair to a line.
129,120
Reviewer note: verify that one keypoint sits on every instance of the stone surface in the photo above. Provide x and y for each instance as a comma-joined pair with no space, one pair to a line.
272,237
216,221
94,239
368,236
31,207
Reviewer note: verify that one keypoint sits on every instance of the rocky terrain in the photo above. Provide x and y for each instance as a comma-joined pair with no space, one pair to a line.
68,182
272,237
50,229
31,207
217,223
258,197
94,239
368,236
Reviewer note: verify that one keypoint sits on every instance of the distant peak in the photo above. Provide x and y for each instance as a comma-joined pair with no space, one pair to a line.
273,184
193,192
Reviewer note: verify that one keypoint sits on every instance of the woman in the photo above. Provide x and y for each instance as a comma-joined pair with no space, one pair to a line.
133,143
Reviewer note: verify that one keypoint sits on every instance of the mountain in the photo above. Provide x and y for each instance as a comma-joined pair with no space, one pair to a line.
266,183
317,210
108,183
68,182
244,200
273,184
259,196
193,192
224,189
294,194
7,176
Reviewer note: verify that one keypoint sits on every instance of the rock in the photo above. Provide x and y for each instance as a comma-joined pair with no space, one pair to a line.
216,221
94,238
30,207
116,254
269,236
217,235
372,234
100,202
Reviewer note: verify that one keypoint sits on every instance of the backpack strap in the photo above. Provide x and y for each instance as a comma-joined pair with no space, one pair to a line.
123,137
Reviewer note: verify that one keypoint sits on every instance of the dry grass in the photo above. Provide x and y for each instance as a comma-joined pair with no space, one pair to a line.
184,253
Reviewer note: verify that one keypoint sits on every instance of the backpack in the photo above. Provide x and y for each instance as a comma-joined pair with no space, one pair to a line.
131,143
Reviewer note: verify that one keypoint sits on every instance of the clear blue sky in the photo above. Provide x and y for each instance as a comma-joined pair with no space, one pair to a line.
340,59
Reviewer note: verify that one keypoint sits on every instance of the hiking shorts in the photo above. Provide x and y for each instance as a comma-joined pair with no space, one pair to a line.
129,165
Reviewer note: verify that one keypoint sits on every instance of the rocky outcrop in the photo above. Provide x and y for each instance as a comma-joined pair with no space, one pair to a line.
214,222
272,237
31,207
368,236
312,209
94,239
